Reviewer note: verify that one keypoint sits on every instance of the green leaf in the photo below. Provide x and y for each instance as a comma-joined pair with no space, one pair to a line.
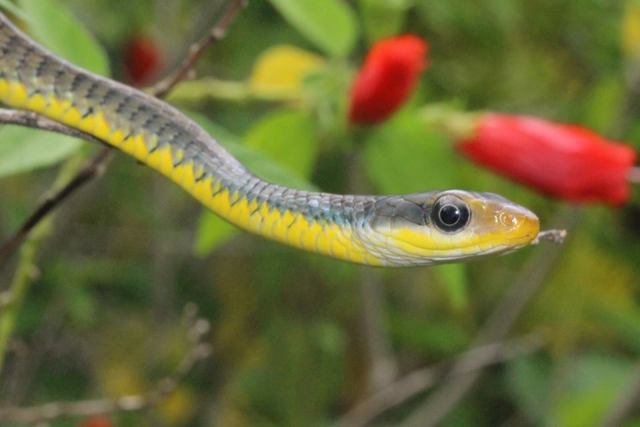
405,156
288,138
13,9
594,383
214,231
600,106
256,160
23,149
383,18
329,24
623,321
51,23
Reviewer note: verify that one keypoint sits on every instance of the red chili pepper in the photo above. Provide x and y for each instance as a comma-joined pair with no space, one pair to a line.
388,77
565,161
97,421
142,59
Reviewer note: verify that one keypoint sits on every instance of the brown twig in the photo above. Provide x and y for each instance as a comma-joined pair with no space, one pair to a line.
446,397
199,350
419,381
383,366
98,164
217,32
91,170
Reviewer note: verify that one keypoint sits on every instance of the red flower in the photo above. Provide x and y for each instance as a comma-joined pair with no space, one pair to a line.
97,421
142,59
564,161
389,75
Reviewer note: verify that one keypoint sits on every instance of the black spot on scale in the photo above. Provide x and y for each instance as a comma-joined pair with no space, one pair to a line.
28,50
152,117
201,176
91,90
249,191
257,208
154,148
59,73
41,66
235,198
219,190
110,95
178,161
277,204
89,111
31,92
77,80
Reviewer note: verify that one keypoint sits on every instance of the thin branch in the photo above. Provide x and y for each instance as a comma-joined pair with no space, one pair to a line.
199,350
91,170
383,367
98,164
496,328
206,88
217,32
14,297
419,381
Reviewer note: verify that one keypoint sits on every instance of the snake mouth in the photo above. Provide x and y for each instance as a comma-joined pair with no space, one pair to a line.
521,225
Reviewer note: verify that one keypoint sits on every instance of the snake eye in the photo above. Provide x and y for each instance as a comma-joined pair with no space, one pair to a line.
450,214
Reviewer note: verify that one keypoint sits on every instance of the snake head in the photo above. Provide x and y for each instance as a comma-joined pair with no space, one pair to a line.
427,228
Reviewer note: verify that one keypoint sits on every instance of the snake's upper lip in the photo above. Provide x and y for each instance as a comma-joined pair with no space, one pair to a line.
526,224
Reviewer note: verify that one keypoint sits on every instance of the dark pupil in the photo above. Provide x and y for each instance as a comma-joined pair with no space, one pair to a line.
449,214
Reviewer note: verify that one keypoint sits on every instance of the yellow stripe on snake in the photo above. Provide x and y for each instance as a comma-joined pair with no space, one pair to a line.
414,229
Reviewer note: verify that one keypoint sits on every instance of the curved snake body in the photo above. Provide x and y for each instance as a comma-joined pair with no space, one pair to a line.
375,230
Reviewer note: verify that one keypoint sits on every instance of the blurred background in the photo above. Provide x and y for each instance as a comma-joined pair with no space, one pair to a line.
298,339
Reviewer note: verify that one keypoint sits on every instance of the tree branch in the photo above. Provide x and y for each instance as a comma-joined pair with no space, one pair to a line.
217,32
199,350
419,381
92,169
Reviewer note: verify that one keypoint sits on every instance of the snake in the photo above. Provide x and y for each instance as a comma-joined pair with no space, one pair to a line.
380,230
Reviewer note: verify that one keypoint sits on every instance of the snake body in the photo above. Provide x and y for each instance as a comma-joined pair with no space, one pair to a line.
375,230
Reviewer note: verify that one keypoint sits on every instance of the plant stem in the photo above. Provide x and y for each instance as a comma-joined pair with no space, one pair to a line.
211,88
26,269
22,278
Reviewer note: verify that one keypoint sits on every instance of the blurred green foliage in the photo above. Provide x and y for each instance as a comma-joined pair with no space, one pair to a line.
292,331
